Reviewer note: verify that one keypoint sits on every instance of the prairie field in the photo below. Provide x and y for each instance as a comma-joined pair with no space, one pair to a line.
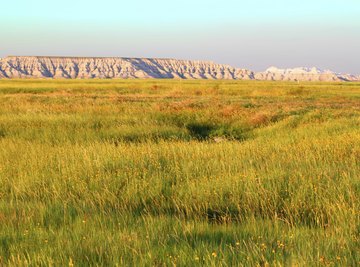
179,173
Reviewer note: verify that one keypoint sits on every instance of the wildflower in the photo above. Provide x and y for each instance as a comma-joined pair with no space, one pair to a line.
214,254
280,244
197,258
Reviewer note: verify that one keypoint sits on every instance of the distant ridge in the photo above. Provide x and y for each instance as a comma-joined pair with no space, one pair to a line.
304,74
77,57
59,67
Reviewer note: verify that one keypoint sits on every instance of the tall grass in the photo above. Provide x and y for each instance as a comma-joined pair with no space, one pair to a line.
186,173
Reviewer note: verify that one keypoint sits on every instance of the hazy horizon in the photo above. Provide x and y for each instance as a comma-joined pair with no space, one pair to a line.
253,35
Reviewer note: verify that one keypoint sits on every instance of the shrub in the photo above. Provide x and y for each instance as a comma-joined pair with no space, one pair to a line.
203,131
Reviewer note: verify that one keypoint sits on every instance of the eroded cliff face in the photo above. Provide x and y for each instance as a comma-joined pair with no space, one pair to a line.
304,74
127,68
85,68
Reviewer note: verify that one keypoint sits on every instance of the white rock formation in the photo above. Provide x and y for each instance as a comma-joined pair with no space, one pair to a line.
303,74
78,67
116,67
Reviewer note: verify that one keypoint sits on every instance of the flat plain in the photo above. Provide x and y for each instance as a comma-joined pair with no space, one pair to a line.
179,173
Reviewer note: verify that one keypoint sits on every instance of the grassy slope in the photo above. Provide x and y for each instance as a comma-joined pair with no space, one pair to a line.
127,172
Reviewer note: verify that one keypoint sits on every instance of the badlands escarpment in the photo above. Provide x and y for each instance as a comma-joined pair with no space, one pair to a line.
84,68
303,74
116,67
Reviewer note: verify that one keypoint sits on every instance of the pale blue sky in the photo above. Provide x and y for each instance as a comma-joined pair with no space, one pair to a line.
252,34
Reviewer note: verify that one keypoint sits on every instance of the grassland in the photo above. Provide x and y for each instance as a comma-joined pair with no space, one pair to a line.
185,173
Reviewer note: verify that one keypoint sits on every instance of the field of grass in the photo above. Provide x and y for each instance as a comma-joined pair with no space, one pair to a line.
179,173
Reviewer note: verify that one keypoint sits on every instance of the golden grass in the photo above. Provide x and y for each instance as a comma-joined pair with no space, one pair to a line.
187,173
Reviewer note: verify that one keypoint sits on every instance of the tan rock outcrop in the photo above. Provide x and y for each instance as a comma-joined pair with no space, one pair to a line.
85,68
145,68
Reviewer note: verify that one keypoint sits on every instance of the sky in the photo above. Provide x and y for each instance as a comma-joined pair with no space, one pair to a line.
252,34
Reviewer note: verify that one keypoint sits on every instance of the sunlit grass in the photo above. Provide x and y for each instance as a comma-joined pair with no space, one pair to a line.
163,173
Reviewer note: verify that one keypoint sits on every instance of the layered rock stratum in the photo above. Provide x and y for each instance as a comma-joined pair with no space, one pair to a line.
127,68
85,68
304,74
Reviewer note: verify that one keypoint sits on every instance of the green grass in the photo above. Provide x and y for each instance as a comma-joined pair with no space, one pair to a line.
185,173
